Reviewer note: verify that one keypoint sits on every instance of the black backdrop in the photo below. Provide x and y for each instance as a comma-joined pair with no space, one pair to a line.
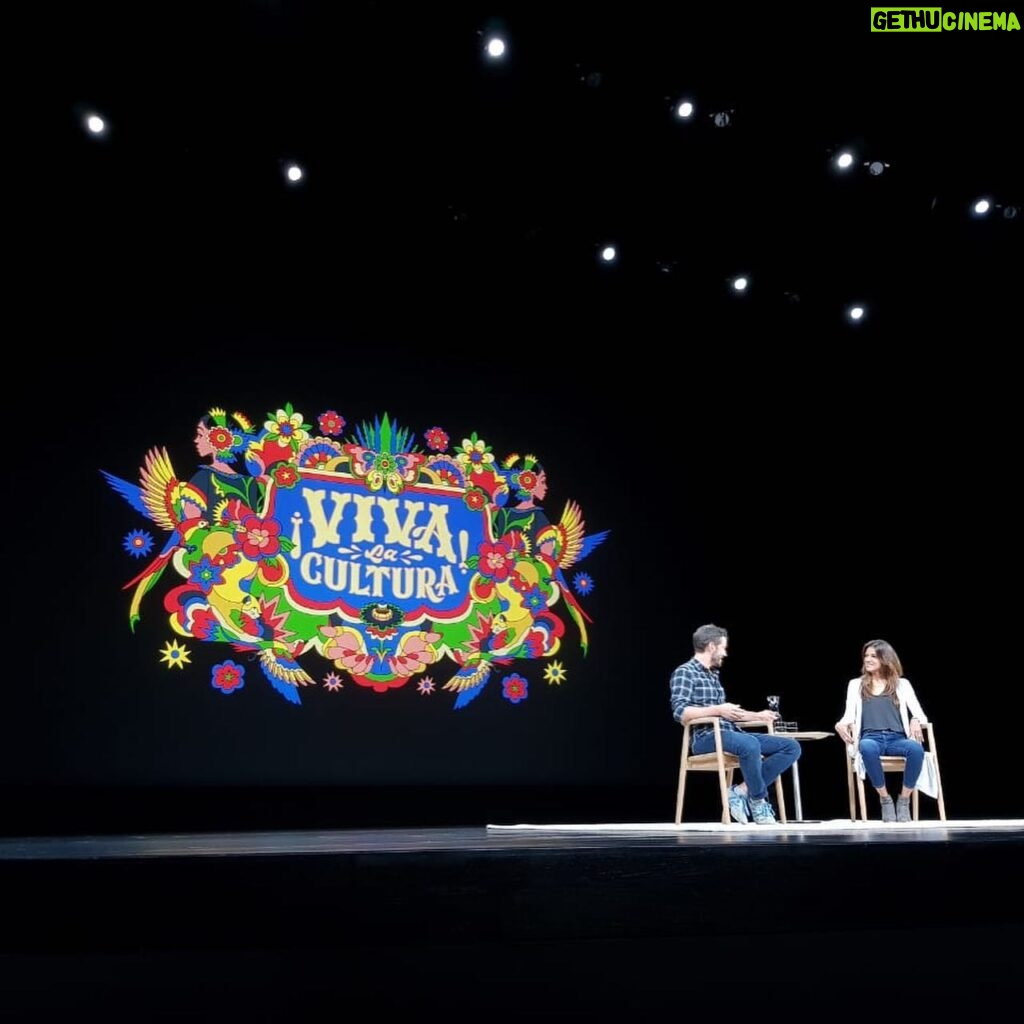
808,484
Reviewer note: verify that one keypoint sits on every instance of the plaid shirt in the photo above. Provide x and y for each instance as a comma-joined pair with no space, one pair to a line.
694,686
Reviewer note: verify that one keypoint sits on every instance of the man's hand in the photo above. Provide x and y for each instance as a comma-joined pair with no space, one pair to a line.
733,712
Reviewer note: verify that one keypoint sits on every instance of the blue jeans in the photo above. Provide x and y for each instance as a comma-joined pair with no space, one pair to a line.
878,743
778,754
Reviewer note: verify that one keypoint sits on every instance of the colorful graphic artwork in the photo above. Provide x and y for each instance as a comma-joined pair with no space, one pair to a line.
393,562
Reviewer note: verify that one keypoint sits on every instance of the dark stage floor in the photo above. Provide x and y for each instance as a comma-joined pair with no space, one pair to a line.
464,921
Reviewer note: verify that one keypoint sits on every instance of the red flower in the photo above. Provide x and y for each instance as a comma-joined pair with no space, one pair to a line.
437,440
259,537
285,475
331,423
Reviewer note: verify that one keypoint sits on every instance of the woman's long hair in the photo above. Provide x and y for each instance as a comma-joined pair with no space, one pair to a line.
889,669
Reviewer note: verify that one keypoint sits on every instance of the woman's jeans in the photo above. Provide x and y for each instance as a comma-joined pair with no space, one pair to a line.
878,743
750,747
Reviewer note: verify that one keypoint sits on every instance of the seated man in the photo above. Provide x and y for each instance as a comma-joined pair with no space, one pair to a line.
695,692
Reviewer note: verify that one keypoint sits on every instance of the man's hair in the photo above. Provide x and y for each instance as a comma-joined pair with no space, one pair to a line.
706,635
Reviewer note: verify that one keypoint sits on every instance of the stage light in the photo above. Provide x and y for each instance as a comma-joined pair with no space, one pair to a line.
1010,212
856,313
495,47
845,160
981,207
740,284
876,167
608,254
294,173
95,124
684,110
722,119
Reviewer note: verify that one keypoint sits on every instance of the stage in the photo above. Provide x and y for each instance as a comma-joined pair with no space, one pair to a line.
530,920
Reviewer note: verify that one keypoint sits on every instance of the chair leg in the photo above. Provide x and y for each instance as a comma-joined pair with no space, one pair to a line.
915,803
780,798
863,799
930,729
849,786
938,778
681,789
723,786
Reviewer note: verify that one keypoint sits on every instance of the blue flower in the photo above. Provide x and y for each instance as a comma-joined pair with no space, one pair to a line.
583,583
138,543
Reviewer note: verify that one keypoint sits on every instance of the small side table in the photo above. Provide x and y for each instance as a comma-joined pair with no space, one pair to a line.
796,771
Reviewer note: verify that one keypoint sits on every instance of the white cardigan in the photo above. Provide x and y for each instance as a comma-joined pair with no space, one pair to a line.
909,707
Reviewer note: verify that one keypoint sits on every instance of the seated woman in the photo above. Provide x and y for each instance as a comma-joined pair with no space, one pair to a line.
883,718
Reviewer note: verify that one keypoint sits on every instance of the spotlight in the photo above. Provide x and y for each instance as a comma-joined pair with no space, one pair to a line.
981,207
845,160
608,254
495,47
294,173
740,284
684,110
856,313
722,119
1010,212
95,124
876,167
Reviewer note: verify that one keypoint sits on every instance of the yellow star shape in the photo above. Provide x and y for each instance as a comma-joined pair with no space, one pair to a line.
174,655
555,674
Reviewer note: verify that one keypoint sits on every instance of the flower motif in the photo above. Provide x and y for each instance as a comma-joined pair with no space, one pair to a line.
526,480
437,440
514,688
475,499
583,583
227,677
475,455
496,560
174,655
285,475
222,439
259,537
425,686
331,423
332,682
287,426
138,543
205,574
555,674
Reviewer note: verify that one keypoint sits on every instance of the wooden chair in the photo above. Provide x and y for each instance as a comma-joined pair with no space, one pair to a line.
890,765
719,761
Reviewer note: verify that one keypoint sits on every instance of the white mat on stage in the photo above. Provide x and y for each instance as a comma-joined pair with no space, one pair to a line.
836,825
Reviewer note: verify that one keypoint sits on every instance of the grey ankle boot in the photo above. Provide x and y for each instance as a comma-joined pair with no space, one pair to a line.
888,809
903,808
